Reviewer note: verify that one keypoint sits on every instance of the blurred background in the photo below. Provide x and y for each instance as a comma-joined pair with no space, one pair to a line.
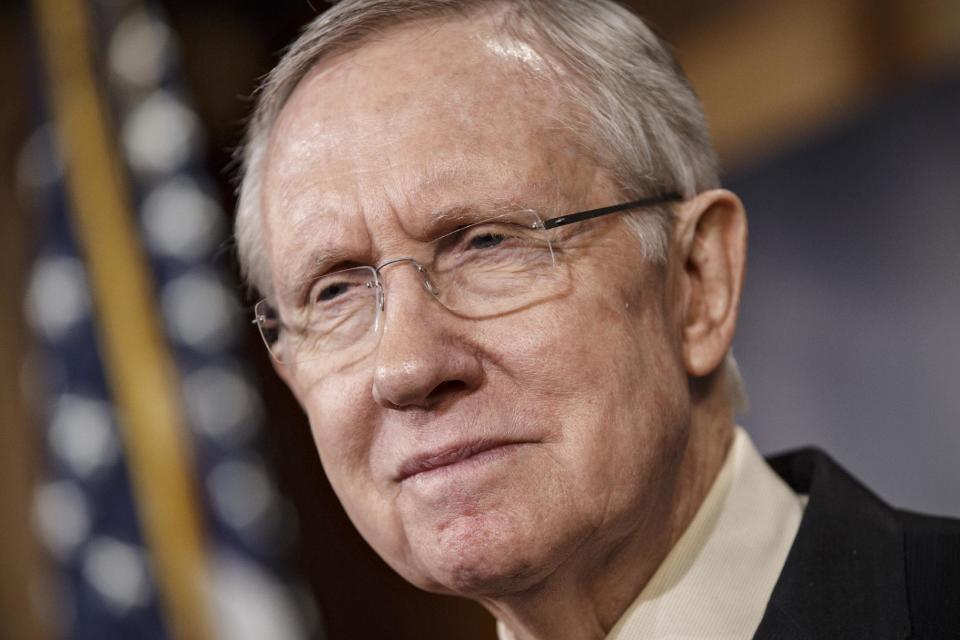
159,481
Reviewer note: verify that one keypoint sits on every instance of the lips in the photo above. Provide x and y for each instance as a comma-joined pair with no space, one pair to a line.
448,456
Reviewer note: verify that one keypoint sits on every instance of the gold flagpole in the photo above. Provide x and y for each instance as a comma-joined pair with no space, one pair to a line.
139,367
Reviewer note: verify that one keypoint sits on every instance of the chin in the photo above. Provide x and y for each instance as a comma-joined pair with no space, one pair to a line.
483,555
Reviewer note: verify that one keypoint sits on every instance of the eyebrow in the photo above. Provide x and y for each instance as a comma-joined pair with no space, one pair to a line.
439,221
469,213
311,265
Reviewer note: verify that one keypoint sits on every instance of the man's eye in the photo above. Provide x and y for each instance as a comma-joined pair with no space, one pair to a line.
332,291
486,240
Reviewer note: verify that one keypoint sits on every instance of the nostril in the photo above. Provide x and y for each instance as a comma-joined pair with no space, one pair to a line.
447,388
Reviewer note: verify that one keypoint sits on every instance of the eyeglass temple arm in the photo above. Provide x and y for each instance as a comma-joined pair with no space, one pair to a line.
258,318
559,221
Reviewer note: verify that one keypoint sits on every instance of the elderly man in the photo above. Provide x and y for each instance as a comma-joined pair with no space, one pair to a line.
502,280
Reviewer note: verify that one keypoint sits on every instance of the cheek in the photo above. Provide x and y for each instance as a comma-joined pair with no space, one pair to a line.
341,420
604,345
616,385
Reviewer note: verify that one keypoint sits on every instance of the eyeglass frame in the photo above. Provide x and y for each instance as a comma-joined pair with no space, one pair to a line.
544,225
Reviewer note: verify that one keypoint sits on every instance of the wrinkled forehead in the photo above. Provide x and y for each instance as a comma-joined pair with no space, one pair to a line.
465,86
433,115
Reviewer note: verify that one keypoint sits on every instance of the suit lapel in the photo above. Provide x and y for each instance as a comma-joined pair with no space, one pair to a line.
844,576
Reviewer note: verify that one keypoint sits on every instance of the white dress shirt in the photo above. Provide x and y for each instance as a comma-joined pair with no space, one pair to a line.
717,579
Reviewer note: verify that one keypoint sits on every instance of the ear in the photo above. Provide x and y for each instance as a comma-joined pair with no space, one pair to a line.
712,233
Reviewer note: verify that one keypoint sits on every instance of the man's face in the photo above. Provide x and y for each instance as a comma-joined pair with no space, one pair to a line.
582,396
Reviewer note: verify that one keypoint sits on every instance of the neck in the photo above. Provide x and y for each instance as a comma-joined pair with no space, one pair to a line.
583,601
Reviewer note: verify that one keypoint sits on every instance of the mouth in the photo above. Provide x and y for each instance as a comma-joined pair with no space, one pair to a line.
432,461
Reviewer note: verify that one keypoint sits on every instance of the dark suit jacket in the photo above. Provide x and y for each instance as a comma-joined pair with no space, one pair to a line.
859,568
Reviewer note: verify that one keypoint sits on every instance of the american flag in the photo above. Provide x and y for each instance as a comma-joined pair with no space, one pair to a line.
159,513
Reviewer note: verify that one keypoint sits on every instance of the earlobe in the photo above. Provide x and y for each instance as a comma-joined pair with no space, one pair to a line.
715,260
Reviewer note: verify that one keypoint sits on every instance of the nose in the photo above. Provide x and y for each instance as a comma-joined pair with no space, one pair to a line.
421,361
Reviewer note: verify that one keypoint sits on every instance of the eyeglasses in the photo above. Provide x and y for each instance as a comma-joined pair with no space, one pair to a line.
490,268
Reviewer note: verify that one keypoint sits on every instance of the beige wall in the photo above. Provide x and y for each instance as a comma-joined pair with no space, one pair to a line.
773,72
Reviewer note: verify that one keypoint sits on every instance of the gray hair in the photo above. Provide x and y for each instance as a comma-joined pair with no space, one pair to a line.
631,105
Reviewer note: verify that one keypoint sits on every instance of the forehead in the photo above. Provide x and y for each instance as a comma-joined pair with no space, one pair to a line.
430,116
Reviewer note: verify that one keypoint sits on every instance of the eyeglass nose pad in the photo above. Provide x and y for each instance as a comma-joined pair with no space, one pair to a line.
376,285
427,282
380,299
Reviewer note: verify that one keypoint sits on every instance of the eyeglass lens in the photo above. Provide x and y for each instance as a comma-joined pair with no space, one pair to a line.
482,270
